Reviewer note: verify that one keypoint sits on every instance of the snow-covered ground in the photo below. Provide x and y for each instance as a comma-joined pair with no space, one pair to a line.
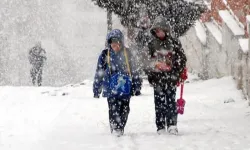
42,119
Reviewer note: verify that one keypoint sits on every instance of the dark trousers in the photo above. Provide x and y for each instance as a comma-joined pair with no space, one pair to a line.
36,75
165,107
118,113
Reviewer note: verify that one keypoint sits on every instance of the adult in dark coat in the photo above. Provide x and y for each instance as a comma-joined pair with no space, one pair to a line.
37,58
164,66
141,41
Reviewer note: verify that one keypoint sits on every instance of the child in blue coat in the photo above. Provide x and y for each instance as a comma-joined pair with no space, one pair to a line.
118,79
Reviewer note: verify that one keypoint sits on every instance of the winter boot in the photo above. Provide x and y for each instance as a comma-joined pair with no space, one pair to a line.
173,130
161,131
117,133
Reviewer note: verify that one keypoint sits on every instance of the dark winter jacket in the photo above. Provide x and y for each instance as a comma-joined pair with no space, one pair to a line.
176,56
142,39
118,65
140,46
37,56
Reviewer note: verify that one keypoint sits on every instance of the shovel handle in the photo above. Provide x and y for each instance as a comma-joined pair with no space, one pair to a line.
182,87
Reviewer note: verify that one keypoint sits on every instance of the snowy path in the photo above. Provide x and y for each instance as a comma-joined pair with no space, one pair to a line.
33,121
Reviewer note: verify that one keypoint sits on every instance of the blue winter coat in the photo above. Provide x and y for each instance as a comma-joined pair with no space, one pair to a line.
118,65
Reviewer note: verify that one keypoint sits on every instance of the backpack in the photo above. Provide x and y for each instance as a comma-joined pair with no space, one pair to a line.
120,84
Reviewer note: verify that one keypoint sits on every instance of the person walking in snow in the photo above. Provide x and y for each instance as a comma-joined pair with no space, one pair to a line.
164,67
143,35
141,41
37,57
117,79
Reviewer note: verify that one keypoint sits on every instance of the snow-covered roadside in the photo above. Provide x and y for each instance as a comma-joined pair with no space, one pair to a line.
31,120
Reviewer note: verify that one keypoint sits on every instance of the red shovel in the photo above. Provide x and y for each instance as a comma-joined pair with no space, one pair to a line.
181,102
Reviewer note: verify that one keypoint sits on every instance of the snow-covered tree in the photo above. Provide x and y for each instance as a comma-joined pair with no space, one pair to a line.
180,13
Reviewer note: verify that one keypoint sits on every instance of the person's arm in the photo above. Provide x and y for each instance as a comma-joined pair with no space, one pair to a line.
30,57
99,75
180,60
43,54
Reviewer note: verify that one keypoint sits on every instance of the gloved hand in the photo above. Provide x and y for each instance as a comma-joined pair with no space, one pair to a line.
183,77
184,74
162,66
135,93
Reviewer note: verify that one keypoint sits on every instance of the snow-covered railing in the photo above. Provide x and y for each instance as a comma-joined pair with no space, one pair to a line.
242,80
248,30
229,20
215,31
201,32
248,63
232,13
244,65
248,23
220,51
244,45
